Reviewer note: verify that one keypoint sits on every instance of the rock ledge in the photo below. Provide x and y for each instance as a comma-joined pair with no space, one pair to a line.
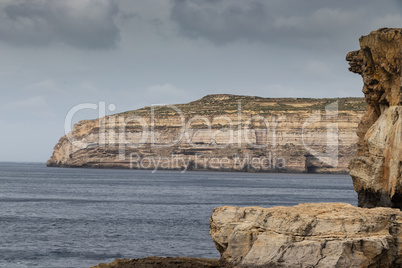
160,262
308,235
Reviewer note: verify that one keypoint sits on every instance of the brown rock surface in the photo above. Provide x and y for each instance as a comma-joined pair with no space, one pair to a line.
160,262
377,168
308,235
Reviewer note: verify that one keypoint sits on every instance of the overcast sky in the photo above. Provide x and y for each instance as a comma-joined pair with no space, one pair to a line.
56,54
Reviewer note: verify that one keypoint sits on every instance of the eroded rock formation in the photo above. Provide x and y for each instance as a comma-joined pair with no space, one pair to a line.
308,235
377,168
221,132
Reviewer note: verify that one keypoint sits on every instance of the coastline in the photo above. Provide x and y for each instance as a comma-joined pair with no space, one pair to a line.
199,170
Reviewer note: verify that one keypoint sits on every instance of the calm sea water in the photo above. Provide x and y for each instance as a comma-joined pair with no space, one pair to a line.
54,217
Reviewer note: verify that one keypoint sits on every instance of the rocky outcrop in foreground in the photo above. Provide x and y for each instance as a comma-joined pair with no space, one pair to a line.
308,235
220,132
377,168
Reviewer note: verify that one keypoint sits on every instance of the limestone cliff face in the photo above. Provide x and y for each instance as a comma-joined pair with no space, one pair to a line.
308,235
376,171
220,132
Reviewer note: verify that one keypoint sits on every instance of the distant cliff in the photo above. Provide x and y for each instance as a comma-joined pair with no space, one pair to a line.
220,132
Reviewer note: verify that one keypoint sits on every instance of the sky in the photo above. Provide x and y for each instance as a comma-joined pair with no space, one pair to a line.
132,53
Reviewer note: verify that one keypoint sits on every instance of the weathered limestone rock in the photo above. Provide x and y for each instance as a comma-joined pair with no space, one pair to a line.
377,168
308,235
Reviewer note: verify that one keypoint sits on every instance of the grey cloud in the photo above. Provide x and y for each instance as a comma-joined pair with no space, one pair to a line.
218,20
79,23
286,21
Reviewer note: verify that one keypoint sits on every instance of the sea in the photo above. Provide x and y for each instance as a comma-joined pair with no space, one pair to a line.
73,217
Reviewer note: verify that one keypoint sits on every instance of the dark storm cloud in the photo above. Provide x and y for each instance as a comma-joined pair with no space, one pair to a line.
289,21
79,23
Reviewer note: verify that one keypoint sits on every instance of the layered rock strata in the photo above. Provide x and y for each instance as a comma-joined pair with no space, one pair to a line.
377,168
220,132
308,235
